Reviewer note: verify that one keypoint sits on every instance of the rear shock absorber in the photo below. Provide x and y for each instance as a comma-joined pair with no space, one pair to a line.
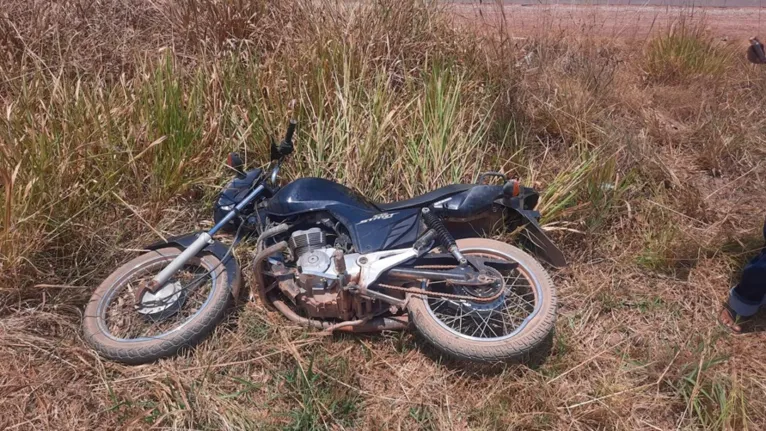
445,238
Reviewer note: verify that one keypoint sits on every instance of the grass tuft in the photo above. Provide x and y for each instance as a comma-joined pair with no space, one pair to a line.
686,52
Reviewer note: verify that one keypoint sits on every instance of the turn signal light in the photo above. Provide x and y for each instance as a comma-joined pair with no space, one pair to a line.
234,161
512,188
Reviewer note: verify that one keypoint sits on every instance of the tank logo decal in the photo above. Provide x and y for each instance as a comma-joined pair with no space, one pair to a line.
381,216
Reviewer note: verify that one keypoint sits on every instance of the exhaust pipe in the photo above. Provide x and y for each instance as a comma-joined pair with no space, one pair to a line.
394,323
258,272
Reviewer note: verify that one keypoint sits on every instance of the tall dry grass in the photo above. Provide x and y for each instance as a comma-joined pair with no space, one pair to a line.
116,118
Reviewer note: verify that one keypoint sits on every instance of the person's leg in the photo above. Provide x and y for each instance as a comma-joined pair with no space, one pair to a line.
748,296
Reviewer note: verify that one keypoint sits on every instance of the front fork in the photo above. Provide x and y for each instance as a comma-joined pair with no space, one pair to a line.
203,240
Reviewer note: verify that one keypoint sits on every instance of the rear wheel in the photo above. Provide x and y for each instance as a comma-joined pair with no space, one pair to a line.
127,325
513,327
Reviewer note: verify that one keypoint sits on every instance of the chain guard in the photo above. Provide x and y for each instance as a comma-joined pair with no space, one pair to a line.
429,293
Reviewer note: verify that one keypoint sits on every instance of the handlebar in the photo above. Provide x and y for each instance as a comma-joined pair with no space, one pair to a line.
284,149
290,131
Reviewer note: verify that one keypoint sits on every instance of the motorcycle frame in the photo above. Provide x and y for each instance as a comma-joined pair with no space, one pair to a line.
372,264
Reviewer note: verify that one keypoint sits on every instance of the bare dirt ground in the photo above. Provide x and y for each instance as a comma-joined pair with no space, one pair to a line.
628,22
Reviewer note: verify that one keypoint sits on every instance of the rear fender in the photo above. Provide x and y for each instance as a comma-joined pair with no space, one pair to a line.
217,249
523,205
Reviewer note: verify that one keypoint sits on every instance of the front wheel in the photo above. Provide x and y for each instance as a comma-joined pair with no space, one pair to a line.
125,323
511,328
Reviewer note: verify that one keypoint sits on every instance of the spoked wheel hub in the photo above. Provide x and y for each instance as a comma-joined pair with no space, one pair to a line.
496,284
514,297
162,304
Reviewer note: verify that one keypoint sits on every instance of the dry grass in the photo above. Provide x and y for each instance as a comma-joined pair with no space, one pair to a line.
651,162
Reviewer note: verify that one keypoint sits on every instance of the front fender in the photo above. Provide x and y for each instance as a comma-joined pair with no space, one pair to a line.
217,249
533,233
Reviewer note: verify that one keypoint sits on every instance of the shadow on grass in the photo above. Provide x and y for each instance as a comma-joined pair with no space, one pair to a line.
405,343
756,323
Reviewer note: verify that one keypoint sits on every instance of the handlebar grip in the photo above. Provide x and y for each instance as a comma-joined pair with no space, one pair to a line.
290,131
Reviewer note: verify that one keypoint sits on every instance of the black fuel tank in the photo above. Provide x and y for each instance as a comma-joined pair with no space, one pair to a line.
370,228
315,194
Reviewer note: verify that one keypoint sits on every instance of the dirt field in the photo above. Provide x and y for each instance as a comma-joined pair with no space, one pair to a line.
648,149
634,23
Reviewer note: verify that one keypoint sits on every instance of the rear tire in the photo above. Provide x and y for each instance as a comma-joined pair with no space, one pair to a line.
520,347
188,334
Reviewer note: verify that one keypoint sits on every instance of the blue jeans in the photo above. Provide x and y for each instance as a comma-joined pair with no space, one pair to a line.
748,296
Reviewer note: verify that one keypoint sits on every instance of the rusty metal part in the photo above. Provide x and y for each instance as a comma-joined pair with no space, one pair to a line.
288,287
270,232
373,325
339,261
258,269
401,303
349,323
322,305
359,305
320,299
334,303
352,305
143,287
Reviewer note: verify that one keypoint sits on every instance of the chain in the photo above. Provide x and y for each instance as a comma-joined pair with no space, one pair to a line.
418,291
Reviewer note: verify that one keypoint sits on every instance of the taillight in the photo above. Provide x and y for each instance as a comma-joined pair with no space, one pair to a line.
512,188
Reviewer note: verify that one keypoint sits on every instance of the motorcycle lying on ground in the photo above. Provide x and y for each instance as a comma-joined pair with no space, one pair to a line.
328,258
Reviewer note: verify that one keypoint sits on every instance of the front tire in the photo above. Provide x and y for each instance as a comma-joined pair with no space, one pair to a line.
118,336
521,344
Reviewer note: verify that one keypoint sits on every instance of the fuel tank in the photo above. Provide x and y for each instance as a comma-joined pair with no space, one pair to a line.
315,194
370,228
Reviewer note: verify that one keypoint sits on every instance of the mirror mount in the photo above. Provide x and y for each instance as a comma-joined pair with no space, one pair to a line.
234,161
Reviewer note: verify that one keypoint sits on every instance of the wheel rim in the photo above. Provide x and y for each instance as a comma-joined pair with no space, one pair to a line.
117,313
503,318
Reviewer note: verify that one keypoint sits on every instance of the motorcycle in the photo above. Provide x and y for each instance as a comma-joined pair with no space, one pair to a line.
329,258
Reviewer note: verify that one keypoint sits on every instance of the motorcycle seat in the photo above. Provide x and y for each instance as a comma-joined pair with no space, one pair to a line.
426,199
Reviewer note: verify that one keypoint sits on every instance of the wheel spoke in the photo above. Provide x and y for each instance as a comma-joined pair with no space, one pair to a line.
478,325
493,320
505,326
489,326
449,320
